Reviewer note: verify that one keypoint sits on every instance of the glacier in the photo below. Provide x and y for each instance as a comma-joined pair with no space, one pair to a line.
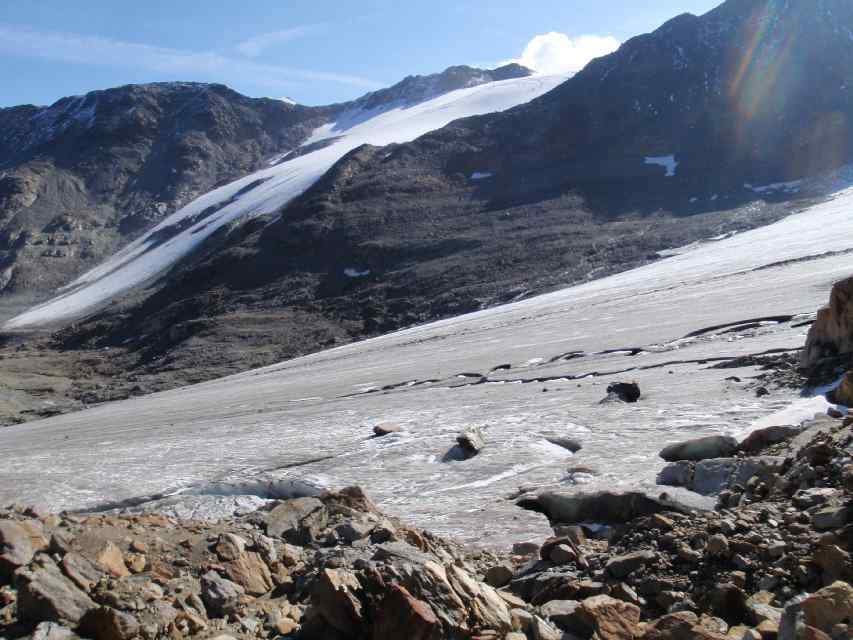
522,372
268,190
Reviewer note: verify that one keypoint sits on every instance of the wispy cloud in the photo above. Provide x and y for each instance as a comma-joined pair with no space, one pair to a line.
17,40
553,53
255,46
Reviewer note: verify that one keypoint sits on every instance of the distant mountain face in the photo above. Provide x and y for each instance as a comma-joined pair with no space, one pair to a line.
755,91
414,89
81,178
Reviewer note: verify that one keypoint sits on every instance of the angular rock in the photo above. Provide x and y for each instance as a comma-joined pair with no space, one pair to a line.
81,570
499,575
676,474
53,631
44,594
294,520
16,549
606,617
487,608
106,623
700,449
250,572
623,566
402,616
220,596
334,599
560,612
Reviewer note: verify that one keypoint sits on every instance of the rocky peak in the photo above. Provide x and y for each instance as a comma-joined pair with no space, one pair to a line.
414,89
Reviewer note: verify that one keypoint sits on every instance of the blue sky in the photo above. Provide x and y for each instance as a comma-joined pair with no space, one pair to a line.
317,51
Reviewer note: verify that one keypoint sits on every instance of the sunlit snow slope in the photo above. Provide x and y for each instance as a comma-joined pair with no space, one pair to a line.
311,418
267,190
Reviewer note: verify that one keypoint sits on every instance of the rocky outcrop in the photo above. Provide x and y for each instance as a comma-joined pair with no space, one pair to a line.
832,332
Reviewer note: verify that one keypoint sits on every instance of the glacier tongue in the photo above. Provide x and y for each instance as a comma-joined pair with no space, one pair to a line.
267,190
311,419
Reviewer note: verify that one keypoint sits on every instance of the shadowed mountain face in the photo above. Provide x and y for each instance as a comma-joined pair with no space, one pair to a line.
82,177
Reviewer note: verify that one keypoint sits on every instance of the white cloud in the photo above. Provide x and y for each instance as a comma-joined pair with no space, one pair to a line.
17,40
557,53
254,46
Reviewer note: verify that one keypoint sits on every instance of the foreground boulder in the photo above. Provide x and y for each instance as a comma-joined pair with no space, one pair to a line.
700,449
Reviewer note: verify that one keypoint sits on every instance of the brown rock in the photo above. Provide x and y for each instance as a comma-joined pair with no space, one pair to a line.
832,332
16,548
81,570
334,598
829,606
386,428
250,572
402,616
105,623
104,553
607,617
499,575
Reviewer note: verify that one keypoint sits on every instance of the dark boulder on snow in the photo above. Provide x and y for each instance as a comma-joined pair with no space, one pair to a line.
624,391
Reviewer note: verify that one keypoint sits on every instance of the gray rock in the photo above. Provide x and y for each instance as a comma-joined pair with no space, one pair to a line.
567,443
700,449
499,575
710,477
471,441
105,623
16,550
676,474
830,518
287,519
53,631
45,595
622,566
560,611
220,596
602,507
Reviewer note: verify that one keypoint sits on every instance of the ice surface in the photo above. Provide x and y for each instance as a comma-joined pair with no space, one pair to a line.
269,189
311,418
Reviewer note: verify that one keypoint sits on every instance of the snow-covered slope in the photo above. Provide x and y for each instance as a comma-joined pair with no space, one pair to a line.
267,190
311,418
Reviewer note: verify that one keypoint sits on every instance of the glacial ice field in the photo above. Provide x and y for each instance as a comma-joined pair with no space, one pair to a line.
269,189
522,372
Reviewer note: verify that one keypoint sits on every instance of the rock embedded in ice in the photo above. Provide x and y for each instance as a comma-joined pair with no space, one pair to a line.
471,441
567,443
624,391
386,428
700,449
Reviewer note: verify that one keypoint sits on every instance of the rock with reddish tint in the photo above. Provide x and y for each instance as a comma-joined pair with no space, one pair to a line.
400,615
106,623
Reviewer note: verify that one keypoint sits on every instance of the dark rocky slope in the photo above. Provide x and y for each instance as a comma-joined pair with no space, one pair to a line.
82,177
